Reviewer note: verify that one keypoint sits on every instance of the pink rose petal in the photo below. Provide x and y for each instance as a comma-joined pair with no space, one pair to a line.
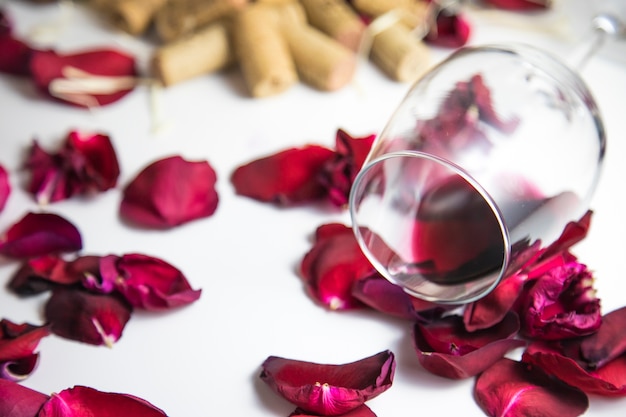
509,388
147,282
19,401
170,192
38,234
286,178
5,187
446,349
96,319
329,389
81,401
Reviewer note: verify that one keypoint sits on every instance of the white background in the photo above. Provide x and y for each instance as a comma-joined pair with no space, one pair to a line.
205,358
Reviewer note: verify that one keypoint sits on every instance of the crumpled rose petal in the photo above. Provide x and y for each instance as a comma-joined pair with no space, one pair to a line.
362,411
561,304
339,172
286,178
96,319
18,401
452,30
608,342
510,388
608,381
85,79
5,187
331,267
446,349
521,5
38,234
147,282
18,342
382,295
170,192
81,401
329,390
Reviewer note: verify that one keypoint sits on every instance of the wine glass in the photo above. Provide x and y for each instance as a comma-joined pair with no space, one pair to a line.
486,160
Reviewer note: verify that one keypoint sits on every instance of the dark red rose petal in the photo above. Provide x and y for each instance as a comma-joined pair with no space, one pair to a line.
329,389
15,55
521,5
608,342
48,68
330,268
510,388
147,282
5,187
170,192
446,349
81,401
19,401
98,163
96,319
38,234
18,343
452,30
362,411
286,178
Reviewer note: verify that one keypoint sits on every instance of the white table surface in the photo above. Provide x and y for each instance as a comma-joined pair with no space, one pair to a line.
204,359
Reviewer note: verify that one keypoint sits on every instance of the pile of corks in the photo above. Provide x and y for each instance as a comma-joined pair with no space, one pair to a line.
277,43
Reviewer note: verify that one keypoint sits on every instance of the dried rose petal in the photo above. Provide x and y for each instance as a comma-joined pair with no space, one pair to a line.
510,388
521,5
147,282
330,268
81,401
452,30
86,163
608,381
339,172
170,192
380,294
5,187
96,319
362,411
18,342
446,349
329,389
19,401
286,178
561,304
38,234
87,79
608,342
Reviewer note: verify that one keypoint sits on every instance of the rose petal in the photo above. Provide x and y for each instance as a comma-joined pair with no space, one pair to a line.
510,388
329,389
81,401
148,283
19,401
170,192
608,381
521,5
15,55
330,268
608,342
41,274
362,411
452,30
87,90
96,319
286,178
38,234
18,342
446,349
5,187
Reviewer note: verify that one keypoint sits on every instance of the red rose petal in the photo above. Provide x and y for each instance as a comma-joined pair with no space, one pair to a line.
521,5
330,268
19,401
117,71
5,187
15,55
38,234
608,342
170,192
446,349
329,389
147,282
452,30
17,348
362,411
286,178
510,388
81,401
95,319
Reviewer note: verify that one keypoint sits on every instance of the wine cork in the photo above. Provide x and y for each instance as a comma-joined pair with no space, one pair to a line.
179,17
262,52
205,51
321,61
398,53
413,13
131,16
337,19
